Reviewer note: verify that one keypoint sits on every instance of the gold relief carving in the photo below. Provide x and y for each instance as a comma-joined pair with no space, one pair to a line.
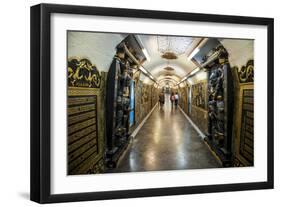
82,73
246,72
199,92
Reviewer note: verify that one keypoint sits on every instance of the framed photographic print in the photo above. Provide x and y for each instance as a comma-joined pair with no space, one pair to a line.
133,103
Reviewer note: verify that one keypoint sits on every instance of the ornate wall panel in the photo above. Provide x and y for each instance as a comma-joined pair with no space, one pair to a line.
199,113
243,132
183,98
145,100
146,96
85,118
154,96
138,90
200,117
199,95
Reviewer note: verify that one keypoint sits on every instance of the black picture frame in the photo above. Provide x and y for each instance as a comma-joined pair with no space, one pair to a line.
41,96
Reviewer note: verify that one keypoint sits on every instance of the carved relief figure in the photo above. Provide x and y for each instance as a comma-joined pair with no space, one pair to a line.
216,102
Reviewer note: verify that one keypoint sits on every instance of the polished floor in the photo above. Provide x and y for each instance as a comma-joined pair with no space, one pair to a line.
166,141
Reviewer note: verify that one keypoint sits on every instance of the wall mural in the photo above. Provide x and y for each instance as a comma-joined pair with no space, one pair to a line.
199,93
183,98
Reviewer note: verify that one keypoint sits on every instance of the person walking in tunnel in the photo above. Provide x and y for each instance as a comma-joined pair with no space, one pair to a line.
172,99
161,99
176,99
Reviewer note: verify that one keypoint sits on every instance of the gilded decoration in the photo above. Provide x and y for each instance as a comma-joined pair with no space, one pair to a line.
82,73
199,95
246,72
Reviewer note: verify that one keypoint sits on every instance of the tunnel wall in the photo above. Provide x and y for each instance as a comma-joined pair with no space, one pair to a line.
242,66
198,102
183,96
243,133
146,96
86,101
199,112
241,60
86,111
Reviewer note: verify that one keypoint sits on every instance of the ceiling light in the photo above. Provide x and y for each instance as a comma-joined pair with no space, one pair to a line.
183,79
194,71
194,52
143,70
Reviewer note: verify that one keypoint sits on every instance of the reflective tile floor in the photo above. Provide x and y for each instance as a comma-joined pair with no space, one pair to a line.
166,141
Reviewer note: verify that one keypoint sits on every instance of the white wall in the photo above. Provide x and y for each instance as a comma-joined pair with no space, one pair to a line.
14,105
99,48
240,51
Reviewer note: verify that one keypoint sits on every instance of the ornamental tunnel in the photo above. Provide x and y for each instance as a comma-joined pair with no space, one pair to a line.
153,102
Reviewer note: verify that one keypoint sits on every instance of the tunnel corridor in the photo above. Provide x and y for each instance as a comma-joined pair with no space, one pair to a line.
117,81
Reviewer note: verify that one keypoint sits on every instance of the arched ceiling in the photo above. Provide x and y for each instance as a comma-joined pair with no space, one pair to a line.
182,46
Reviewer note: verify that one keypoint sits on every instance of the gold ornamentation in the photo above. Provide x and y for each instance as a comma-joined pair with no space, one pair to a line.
82,73
246,73
199,95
